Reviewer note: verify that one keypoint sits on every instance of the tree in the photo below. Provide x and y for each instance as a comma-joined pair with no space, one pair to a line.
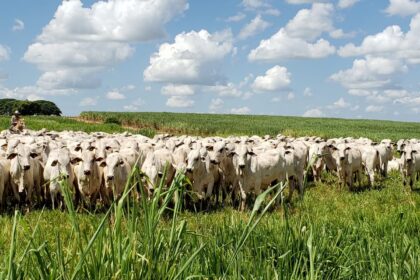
25,107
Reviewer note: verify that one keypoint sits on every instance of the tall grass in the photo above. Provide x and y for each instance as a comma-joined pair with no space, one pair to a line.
330,234
225,125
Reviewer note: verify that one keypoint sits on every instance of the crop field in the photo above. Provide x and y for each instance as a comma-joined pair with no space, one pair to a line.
331,233
226,125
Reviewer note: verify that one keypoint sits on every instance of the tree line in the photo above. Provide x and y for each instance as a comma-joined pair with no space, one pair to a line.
26,107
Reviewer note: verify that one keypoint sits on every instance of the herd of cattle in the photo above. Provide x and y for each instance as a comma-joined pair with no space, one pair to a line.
97,165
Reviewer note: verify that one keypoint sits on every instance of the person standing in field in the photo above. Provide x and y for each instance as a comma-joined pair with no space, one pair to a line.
15,121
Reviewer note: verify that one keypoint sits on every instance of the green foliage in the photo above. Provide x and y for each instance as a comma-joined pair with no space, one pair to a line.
225,125
25,107
112,120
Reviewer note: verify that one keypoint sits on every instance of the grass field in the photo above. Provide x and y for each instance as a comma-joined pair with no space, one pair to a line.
330,234
225,125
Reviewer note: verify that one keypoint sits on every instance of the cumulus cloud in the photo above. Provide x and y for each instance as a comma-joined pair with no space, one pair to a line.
216,104
253,27
276,78
134,106
253,4
344,4
314,113
179,102
299,38
339,104
18,25
238,17
373,109
307,92
89,101
403,7
193,58
369,73
240,111
115,95
179,90
4,53
80,42
30,92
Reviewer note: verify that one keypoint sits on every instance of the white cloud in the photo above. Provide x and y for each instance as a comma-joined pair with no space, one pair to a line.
89,101
369,73
179,102
374,109
193,58
253,4
29,92
4,53
216,104
18,25
229,89
238,17
307,92
340,34
339,104
299,38
240,111
290,96
112,20
130,108
179,90
115,95
295,2
311,23
253,27
403,7
80,42
276,78
314,113
391,42
134,105
344,4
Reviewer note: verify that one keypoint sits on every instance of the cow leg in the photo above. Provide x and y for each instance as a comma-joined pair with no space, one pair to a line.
15,191
291,189
243,199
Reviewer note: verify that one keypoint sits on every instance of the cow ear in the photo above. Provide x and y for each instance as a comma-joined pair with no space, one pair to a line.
54,163
102,164
12,156
4,147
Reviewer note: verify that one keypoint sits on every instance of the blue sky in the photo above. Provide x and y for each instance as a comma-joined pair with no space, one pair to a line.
342,58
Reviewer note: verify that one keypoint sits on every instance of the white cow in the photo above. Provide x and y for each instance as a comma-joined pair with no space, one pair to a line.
116,173
58,166
21,172
88,176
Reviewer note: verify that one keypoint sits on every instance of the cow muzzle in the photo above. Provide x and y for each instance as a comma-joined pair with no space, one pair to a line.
86,172
189,169
342,158
26,167
214,161
241,166
110,178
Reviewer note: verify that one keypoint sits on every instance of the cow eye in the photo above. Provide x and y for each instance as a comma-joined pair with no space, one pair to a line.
203,158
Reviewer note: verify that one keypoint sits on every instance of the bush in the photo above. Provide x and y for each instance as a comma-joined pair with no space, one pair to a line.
112,120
